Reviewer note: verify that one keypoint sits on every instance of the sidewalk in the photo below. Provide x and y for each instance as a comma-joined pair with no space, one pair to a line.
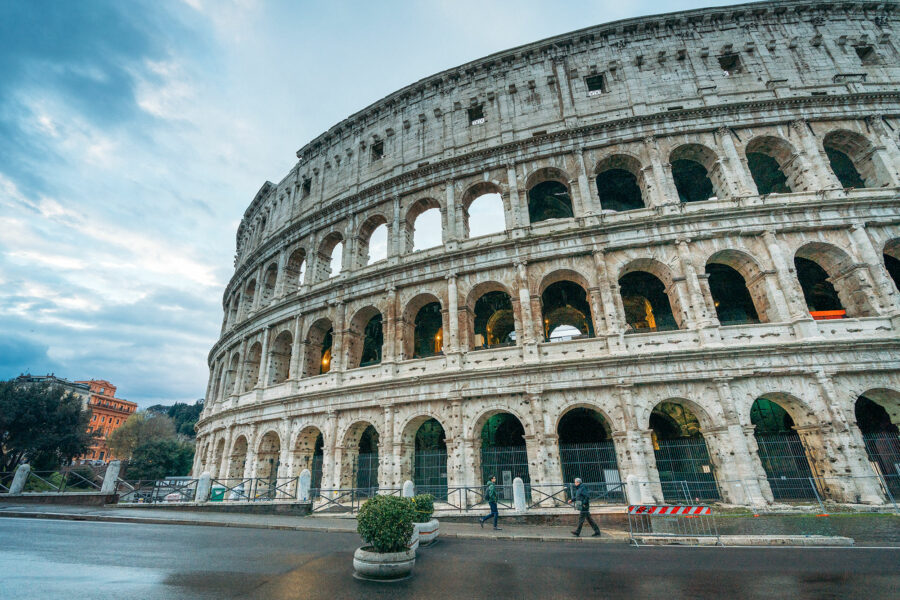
342,524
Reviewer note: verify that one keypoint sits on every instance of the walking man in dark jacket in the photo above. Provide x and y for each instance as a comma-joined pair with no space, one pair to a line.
490,494
582,501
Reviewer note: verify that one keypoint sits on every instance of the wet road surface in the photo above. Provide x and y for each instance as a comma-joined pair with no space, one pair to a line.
98,561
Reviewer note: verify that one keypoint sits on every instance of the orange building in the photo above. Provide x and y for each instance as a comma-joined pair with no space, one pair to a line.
108,413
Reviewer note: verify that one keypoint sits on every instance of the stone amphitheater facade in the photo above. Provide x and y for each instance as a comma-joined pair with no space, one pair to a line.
786,85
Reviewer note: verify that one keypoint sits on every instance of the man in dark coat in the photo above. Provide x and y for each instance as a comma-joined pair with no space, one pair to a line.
582,500
490,494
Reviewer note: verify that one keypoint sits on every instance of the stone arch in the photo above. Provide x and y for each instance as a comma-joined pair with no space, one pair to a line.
268,453
294,270
365,338
424,458
565,306
774,165
359,456
238,459
308,453
249,296
851,157
269,281
786,433
738,288
479,193
587,450
646,287
877,413
327,256
231,375
831,282
891,257
490,315
218,456
549,195
686,470
234,307
319,344
366,231
251,367
696,173
280,359
416,210
497,449
424,326
620,183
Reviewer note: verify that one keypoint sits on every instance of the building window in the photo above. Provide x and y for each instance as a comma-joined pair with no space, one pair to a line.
102,391
730,64
102,419
866,54
595,85
476,115
307,187
377,151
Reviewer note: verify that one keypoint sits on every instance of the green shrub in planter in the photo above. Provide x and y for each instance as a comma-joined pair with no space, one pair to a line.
424,507
386,523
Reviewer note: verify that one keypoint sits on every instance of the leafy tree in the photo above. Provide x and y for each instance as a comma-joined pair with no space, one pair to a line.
155,459
184,415
41,423
138,429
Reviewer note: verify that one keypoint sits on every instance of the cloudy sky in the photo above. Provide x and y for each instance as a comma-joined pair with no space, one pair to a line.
134,134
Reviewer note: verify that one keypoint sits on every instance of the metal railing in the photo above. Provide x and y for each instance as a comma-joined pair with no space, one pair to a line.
68,480
6,481
156,491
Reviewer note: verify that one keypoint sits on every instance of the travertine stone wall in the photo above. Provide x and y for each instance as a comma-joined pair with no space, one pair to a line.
811,75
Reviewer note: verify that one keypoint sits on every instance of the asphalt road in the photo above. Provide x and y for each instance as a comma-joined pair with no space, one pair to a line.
42,559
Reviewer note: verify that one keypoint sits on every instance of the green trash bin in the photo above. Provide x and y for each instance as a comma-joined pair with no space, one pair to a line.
217,493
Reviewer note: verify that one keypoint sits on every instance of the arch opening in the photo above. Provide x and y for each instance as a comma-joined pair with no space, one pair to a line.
430,460
373,241
484,215
731,298
280,365
646,303
319,342
249,296
494,323
231,376
330,256
366,463
428,331
686,472
373,340
295,271
238,460
782,452
619,190
251,367
691,180
549,200
503,452
566,312
877,416
586,450
891,258
853,160
218,457
268,288
821,297
309,452
427,230
267,464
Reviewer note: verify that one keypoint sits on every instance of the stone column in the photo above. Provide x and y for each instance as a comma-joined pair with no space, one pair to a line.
226,455
338,360
745,463
666,193
453,231
888,155
804,325
590,205
257,292
239,376
520,212
331,458
697,303
816,161
634,453
738,176
456,457
391,334
279,281
453,316
388,457
263,378
883,286
397,245
294,370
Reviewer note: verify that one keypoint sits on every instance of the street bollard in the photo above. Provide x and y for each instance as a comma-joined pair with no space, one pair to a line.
111,478
204,482
303,485
409,489
18,483
633,490
519,494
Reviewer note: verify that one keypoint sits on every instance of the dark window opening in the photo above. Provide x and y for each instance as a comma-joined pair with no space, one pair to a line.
494,322
691,180
596,85
672,421
646,304
866,54
503,430
818,292
871,417
767,174
367,460
582,426
844,169
377,151
373,340
325,364
428,331
476,115
549,200
307,187
893,268
619,190
730,64
732,300
566,312
430,436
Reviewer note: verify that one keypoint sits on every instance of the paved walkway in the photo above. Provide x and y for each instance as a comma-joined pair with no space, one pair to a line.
544,533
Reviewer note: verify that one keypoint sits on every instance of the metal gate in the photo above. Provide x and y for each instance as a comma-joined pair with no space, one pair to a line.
430,473
686,473
884,453
365,472
787,467
507,463
596,465
316,483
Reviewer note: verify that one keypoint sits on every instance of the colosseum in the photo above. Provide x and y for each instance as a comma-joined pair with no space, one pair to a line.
665,259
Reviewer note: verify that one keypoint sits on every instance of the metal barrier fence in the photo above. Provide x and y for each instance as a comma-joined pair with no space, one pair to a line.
787,467
6,481
68,480
347,499
691,523
686,472
507,463
154,491
884,454
430,472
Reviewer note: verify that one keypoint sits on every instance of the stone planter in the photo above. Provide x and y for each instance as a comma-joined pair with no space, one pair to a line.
427,532
414,540
383,566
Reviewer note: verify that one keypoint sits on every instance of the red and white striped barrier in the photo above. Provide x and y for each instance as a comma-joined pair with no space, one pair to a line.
669,510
